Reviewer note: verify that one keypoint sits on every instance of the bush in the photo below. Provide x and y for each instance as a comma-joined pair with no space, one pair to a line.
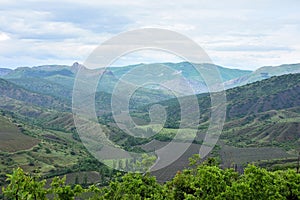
48,151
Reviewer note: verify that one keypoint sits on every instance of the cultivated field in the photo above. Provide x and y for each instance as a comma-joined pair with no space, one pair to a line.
12,139
234,155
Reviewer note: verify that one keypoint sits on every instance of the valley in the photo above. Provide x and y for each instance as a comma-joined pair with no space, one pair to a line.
37,129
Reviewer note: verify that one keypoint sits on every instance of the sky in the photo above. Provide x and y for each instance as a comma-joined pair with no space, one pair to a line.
244,34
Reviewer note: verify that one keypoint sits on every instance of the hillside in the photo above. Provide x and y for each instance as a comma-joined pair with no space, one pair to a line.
10,91
59,79
263,73
262,121
184,68
275,93
11,137
4,71
262,125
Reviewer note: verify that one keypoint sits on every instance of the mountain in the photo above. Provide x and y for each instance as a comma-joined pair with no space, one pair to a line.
259,113
35,108
4,71
263,73
275,93
10,91
50,79
51,87
181,75
262,126
263,118
40,72
185,68
44,86
58,80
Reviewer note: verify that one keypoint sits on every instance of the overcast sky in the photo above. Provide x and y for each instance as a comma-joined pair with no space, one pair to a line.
235,33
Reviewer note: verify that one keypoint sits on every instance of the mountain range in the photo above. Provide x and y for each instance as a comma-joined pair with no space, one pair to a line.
59,79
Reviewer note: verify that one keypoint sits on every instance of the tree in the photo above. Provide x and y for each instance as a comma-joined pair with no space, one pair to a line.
48,151
134,186
76,179
85,180
24,186
202,181
61,191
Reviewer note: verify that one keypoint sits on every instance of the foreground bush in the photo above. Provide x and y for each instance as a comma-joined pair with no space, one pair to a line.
204,181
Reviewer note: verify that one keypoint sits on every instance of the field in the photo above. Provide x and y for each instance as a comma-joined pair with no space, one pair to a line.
241,156
168,172
12,139
83,178
271,157
44,152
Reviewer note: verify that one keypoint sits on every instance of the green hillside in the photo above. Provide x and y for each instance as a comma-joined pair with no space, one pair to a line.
271,94
12,91
262,123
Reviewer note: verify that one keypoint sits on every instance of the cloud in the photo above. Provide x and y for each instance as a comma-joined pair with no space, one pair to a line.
241,34
253,48
4,36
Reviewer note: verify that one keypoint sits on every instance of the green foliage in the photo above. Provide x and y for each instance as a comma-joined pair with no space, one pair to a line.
61,191
204,181
23,186
48,150
258,183
134,186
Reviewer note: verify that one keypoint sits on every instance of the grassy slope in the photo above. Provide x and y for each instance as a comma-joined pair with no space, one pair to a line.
50,152
10,90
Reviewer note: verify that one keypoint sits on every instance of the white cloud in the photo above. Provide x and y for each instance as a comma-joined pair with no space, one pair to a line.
147,56
3,37
241,34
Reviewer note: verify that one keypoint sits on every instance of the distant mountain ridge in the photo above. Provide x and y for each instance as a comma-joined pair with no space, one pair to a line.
263,73
4,71
65,75
56,81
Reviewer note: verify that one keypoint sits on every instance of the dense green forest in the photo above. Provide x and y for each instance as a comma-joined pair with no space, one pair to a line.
199,181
